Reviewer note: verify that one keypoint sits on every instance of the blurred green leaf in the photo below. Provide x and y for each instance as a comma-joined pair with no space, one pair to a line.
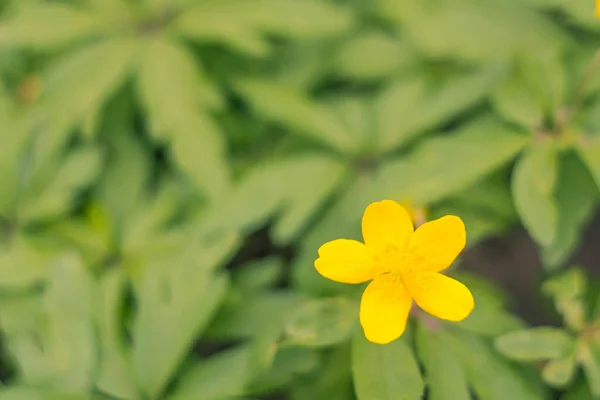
489,318
259,274
590,361
126,177
22,263
567,285
415,104
26,393
567,289
226,25
56,348
177,95
456,29
444,165
47,26
534,344
576,198
183,293
55,199
490,376
115,372
514,100
250,316
443,372
78,84
589,152
534,185
297,19
242,25
293,109
289,363
304,183
385,371
560,372
218,377
321,323
372,55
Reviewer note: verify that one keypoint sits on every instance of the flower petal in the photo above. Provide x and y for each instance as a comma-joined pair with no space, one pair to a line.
386,224
346,261
384,309
439,242
439,295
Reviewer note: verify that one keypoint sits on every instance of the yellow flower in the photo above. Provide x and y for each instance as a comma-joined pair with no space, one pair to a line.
597,8
402,264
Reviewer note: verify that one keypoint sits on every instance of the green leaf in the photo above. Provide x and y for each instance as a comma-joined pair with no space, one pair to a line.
383,372
287,366
257,275
115,373
320,323
22,264
533,185
514,100
177,96
589,152
444,165
576,197
292,109
80,83
56,347
416,104
77,171
490,376
241,25
126,178
45,26
26,393
443,372
456,29
567,289
214,23
250,316
489,318
567,285
372,55
182,292
535,344
222,376
560,372
304,184
590,361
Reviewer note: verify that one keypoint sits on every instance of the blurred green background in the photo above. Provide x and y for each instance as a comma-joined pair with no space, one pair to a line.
169,168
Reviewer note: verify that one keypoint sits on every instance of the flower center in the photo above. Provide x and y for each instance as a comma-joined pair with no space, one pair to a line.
398,261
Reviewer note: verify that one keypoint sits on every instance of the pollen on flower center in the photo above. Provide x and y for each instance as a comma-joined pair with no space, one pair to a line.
397,261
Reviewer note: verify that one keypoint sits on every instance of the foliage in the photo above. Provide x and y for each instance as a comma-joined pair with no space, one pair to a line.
168,169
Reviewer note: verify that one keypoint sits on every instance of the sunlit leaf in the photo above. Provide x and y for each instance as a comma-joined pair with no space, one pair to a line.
294,110
221,376
385,371
184,292
115,373
416,104
533,186
177,97
542,343
47,26
443,372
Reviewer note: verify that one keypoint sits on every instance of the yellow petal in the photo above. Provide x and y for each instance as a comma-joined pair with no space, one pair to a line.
439,295
346,261
439,242
386,224
384,309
